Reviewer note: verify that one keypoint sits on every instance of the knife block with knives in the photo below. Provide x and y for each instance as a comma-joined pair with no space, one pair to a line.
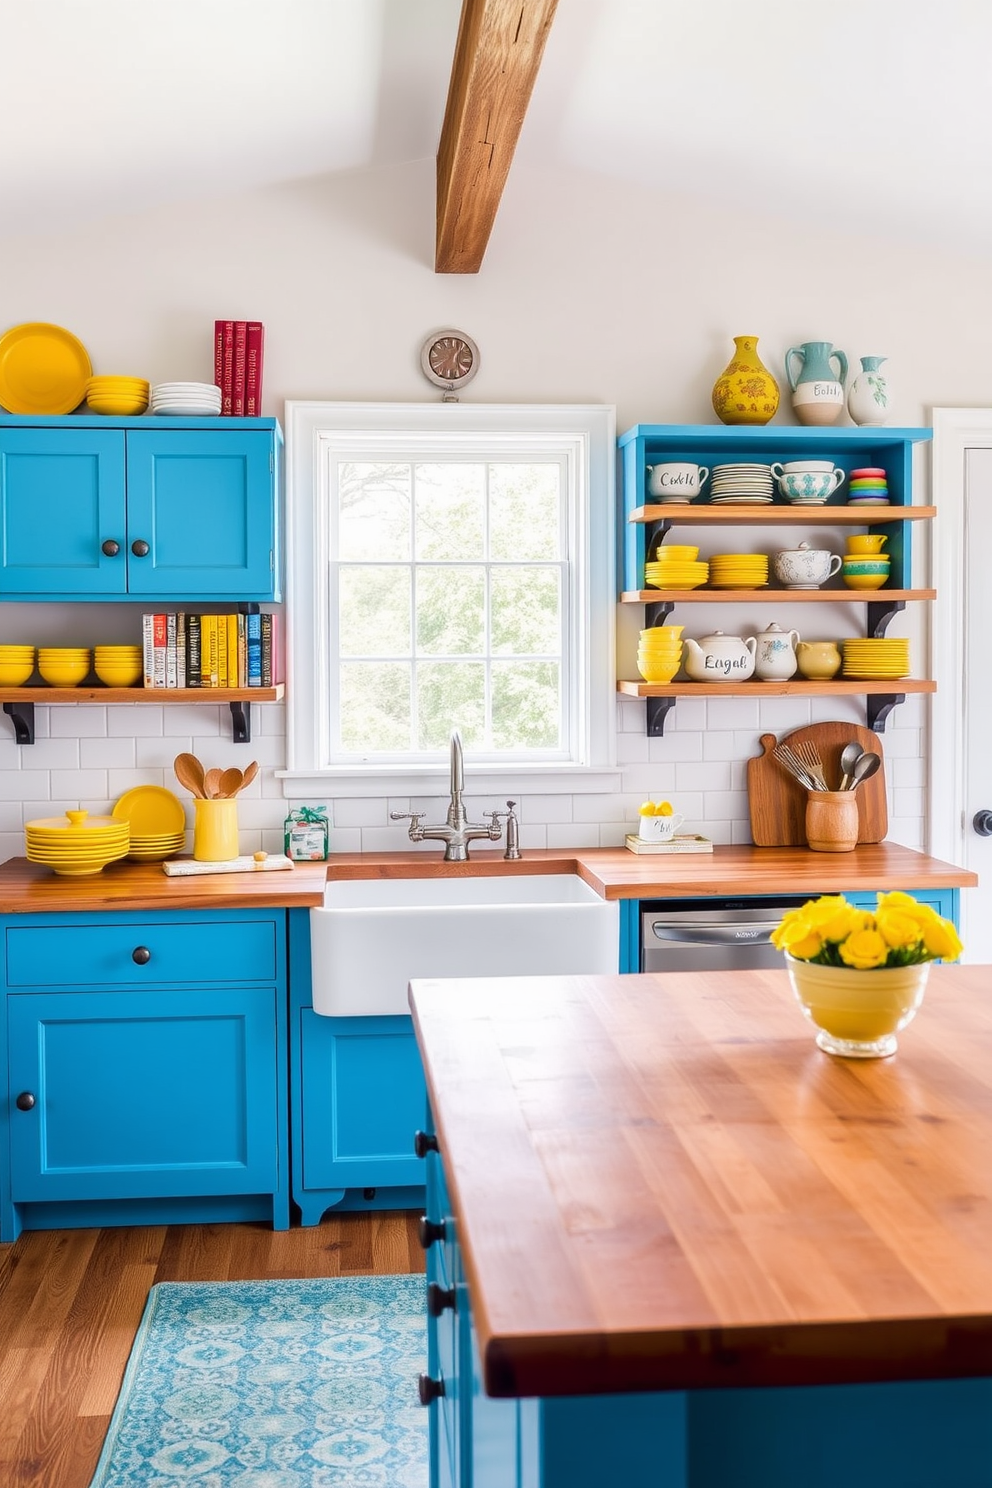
777,802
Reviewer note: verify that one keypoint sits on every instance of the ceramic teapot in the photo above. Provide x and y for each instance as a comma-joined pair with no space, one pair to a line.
720,658
775,654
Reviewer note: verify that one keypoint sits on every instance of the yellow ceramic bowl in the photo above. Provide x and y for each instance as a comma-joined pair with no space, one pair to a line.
64,673
117,405
15,673
656,671
867,544
865,581
118,676
670,552
853,1008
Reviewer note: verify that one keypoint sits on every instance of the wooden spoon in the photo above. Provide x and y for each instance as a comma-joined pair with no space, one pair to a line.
211,783
189,772
250,772
231,782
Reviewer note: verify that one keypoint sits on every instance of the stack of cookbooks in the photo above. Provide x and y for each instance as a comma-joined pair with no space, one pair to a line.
239,347
684,842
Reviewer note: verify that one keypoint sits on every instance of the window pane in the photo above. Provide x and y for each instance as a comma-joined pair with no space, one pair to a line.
373,511
451,694
374,612
525,511
450,511
526,605
526,705
375,706
451,618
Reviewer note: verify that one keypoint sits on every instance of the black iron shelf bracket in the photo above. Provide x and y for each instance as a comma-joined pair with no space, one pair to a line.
21,716
657,611
240,721
878,706
657,711
880,612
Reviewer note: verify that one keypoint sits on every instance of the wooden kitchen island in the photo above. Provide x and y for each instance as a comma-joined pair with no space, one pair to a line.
674,1245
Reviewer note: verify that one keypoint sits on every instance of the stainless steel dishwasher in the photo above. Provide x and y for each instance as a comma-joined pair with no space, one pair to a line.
713,934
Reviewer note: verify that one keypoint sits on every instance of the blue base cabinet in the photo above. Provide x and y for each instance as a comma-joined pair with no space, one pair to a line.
145,1059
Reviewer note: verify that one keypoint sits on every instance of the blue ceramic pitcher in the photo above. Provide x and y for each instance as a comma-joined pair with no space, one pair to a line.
817,389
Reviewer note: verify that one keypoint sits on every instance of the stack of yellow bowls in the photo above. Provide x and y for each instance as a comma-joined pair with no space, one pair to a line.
156,821
659,653
119,396
64,666
876,658
118,666
675,567
16,665
77,844
738,570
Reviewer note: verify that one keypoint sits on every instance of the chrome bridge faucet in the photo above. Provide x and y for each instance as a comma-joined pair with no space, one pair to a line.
457,831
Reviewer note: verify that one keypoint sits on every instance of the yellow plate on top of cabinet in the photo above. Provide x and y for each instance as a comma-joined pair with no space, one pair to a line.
43,369
151,810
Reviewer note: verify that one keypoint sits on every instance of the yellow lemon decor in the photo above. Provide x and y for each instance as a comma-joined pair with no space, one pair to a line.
860,975
745,392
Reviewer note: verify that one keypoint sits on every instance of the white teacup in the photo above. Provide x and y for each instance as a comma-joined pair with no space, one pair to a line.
676,481
660,828
804,567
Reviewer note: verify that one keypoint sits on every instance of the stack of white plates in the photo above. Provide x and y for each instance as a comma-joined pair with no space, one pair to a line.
185,398
742,483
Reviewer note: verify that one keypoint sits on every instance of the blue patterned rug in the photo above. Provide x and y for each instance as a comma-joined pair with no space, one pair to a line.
273,1384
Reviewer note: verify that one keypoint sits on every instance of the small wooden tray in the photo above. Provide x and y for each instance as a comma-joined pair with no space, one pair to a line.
777,801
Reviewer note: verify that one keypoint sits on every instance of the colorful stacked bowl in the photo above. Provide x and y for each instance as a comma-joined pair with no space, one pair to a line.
868,486
64,666
738,570
865,573
156,822
76,845
118,666
669,571
659,653
120,397
876,657
16,665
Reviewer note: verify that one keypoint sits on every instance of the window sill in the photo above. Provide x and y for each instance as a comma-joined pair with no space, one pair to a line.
434,780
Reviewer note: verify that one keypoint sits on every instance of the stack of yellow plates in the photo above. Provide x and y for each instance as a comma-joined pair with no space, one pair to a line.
156,820
675,573
738,570
876,658
121,396
77,844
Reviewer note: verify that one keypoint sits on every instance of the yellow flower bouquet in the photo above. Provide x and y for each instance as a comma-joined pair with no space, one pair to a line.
830,931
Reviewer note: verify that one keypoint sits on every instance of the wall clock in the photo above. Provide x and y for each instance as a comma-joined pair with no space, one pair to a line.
449,359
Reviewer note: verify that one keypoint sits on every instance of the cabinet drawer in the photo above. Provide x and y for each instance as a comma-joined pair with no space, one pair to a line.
209,952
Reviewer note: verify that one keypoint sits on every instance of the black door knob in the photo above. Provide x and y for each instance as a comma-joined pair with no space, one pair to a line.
424,1142
439,1299
110,548
25,1101
429,1389
982,823
140,548
429,1230
141,955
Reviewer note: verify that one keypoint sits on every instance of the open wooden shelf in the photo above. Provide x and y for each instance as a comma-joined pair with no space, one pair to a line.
773,596
775,689
19,702
740,514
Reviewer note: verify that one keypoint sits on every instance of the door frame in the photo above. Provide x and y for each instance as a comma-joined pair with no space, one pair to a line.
955,431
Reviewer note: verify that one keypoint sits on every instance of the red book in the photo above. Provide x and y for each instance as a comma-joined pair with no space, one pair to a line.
219,352
238,381
227,368
253,369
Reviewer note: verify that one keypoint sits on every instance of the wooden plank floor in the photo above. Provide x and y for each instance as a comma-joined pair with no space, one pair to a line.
71,1301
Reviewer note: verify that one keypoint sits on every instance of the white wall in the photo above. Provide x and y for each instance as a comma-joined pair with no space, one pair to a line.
590,292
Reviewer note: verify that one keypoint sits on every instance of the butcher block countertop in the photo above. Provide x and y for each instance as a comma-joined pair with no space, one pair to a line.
617,873
660,1182
29,888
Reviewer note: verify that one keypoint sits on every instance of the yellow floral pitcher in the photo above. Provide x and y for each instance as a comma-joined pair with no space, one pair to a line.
745,392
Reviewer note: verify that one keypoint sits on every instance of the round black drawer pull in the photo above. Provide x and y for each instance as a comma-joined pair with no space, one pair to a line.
982,823
110,548
429,1389
141,955
25,1101
140,548
424,1143
439,1299
429,1230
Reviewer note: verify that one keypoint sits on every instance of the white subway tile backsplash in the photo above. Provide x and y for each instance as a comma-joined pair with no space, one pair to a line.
731,713
24,785
632,748
725,806
675,747
59,754
542,810
127,720
598,809
688,716
908,772
782,715
74,720
718,744
648,780
714,776
100,753
79,784
359,812
576,835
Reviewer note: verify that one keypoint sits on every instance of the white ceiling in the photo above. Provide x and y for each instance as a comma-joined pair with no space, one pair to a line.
877,113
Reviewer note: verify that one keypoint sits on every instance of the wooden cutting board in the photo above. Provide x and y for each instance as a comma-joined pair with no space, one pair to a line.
777,801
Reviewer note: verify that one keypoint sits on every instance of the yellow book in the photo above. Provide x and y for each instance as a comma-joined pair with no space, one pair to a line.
213,673
232,650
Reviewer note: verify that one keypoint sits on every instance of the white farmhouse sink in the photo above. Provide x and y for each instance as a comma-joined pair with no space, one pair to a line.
373,935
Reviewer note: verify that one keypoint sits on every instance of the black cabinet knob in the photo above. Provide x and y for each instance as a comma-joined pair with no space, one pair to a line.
429,1230
25,1101
110,548
423,1143
439,1299
429,1389
982,823
141,955
140,548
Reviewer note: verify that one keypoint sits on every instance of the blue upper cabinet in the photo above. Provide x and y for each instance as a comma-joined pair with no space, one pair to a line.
162,509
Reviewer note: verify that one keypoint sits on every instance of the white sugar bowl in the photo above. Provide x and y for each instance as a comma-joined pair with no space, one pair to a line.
805,567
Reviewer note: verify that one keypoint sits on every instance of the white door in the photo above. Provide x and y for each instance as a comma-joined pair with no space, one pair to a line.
961,753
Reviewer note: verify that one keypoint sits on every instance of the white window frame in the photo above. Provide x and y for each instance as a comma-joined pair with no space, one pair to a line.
591,431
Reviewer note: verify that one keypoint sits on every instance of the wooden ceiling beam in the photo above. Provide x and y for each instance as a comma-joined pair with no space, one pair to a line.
497,55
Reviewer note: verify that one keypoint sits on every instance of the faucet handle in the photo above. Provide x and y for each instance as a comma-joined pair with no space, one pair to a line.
413,817
495,830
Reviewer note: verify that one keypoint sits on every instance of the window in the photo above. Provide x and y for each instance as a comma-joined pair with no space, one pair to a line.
449,566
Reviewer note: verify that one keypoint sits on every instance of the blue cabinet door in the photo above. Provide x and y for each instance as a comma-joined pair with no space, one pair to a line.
62,497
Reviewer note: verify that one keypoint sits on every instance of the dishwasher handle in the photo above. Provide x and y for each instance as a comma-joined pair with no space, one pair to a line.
755,933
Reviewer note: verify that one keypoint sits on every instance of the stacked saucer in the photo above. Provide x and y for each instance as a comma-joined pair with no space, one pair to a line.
876,658
868,486
198,398
670,570
738,570
76,845
156,821
742,483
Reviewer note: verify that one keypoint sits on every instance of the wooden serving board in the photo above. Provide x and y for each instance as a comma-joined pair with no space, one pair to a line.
777,801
